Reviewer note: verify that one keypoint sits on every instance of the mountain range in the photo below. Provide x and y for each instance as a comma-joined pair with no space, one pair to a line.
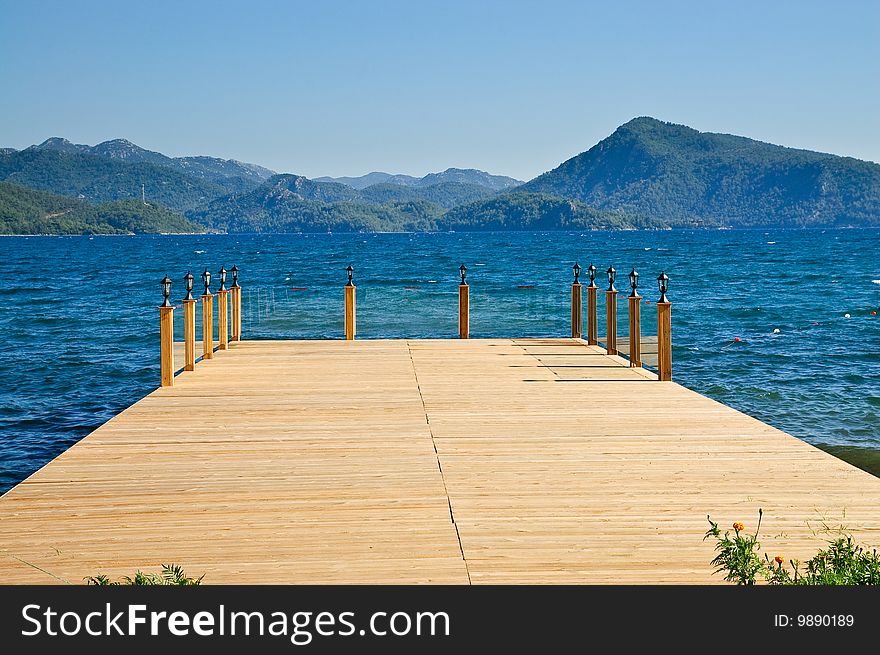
210,169
456,175
646,174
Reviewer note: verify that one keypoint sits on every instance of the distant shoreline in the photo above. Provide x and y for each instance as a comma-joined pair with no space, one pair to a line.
143,234
545,231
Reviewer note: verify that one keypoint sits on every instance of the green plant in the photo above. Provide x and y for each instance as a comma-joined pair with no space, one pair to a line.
842,563
737,557
171,575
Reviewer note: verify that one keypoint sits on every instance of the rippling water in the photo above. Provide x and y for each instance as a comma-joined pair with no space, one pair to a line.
81,327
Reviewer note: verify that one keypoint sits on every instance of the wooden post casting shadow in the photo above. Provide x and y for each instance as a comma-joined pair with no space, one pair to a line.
464,319
635,329
207,326
577,314
664,341
189,334
222,325
611,321
166,349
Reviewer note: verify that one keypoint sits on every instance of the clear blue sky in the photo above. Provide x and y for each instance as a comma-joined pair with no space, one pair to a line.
343,88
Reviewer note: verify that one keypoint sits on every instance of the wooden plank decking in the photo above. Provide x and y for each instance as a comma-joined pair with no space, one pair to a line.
346,462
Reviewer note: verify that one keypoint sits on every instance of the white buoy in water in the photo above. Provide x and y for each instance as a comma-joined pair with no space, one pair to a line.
775,330
846,315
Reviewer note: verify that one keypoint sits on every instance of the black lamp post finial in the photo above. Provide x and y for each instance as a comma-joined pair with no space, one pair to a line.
612,273
591,270
463,272
577,273
206,278
234,271
634,283
663,283
222,274
166,291
188,285
350,271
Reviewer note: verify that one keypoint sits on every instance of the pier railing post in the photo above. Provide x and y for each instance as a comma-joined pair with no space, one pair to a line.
611,314
577,314
464,317
222,309
189,325
635,321
235,297
664,331
166,335
207,318
592,314
350,306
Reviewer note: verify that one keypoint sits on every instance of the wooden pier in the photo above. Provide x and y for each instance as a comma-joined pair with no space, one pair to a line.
424,461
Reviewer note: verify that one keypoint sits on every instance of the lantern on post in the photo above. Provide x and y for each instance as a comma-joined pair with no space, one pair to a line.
236,304
189,324
592,315
576,306
166,291
664,330
611,313
188,285
663,284
635,321
464,305
207,318
350,319
223,312
166,335
634,283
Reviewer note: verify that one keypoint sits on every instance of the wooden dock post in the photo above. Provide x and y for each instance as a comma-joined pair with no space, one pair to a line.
166,335
235,297
592,314
464,308
664,331
635,321
207,318
577,314
222,309
611,314
189,324
350,306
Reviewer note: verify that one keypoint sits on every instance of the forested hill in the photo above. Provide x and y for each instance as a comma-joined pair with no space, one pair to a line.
684,177
26,211
100,179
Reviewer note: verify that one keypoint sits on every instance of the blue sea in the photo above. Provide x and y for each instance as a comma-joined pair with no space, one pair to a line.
781,324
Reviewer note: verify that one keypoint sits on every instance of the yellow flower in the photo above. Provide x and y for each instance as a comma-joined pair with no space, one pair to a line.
739,527
778,559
